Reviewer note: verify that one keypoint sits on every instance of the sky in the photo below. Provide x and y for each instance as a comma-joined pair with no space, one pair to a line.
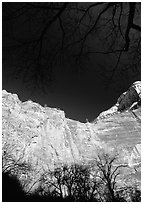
82,96
79,101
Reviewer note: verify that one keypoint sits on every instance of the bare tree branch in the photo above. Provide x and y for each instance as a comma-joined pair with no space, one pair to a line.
52,20
108,25
130,24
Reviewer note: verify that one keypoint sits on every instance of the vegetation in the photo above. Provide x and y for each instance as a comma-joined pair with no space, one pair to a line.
95,182
38,36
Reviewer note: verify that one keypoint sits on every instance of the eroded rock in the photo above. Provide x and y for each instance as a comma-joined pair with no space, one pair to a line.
37,139
131,99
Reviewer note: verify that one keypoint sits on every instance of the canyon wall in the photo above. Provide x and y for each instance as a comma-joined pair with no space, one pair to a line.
36,139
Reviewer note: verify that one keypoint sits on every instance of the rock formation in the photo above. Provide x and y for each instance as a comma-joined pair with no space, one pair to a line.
131,99
36,139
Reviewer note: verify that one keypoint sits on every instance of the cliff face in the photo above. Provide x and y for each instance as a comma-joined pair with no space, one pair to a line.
43,138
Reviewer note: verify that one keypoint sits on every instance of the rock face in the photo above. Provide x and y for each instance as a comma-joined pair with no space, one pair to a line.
43,138
129,100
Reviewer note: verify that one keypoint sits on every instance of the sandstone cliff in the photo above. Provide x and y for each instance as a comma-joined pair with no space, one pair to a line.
43,138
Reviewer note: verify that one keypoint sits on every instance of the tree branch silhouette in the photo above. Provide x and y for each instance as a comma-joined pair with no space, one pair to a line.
54,29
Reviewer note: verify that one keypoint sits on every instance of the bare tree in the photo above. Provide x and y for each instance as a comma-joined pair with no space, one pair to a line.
97,181
108,171
72,183
37,36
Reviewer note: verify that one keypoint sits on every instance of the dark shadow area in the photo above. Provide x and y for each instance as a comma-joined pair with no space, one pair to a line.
12,192
11,189
79,187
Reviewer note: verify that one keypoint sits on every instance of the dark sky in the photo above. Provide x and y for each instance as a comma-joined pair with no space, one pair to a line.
81,95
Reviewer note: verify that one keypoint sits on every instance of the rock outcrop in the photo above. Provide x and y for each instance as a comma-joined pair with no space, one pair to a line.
131,99
42,138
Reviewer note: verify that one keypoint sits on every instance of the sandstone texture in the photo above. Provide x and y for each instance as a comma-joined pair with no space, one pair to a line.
42,138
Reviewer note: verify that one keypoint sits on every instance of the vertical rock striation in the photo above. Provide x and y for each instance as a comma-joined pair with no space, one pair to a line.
36,139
